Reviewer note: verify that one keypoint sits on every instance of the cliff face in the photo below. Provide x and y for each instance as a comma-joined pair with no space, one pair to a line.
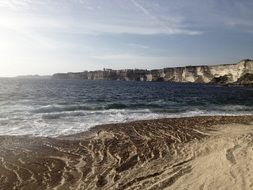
239,73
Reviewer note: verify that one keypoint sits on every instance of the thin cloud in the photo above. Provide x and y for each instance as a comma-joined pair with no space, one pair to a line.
173,27
123,21
141,33
138,46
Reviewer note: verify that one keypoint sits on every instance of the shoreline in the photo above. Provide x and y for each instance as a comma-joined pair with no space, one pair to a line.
217,74
209,121
147,154
98,127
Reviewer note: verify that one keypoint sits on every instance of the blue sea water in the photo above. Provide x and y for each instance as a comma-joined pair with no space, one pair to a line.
47,107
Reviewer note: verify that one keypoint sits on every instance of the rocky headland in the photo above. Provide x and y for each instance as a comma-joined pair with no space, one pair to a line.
236,74
184,153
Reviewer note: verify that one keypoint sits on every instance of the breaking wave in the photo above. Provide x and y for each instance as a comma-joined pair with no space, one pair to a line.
53,108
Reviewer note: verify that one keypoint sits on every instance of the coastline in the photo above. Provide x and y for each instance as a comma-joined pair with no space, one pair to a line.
225,74
150,154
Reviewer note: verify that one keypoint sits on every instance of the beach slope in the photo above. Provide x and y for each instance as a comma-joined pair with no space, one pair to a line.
210,152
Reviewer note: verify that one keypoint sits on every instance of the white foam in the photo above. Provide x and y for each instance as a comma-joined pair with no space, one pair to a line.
54,124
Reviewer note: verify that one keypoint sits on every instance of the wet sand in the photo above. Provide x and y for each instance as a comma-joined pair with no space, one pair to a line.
183,153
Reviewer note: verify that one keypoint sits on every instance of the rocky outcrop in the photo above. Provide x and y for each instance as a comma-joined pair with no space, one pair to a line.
246,79
81,75
218,74
221,80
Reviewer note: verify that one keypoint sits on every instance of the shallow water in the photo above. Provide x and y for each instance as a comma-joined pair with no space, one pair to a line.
44,107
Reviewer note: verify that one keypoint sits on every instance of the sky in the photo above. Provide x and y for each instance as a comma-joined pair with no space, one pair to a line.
50,36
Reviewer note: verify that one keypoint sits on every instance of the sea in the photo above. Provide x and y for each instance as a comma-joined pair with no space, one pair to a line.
50,108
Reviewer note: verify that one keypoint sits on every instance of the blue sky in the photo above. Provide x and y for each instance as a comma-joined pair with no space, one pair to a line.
44,37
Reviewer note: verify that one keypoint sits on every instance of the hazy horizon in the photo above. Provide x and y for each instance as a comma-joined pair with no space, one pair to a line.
46,75
75,35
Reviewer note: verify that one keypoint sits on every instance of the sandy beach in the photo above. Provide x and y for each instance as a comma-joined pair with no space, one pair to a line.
209,152
126,95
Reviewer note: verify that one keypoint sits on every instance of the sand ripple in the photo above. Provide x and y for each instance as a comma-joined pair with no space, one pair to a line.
182,153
